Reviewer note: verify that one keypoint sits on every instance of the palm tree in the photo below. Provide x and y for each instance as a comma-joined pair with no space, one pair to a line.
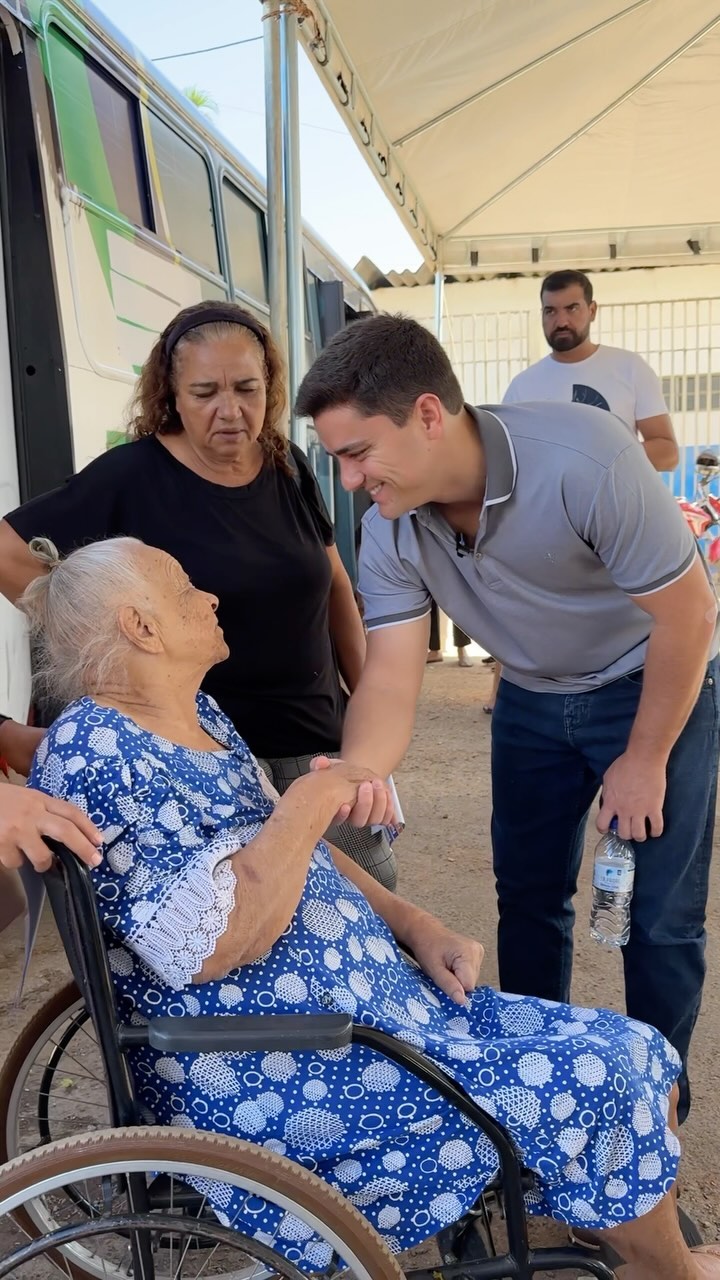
201,99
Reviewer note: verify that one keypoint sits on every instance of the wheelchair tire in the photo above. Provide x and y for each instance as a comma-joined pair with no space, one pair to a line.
52,1082
29,1183
55,1048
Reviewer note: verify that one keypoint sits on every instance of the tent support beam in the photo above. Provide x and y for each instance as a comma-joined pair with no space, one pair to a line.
618,230
285,256
516,75
439,303
585,128
343,82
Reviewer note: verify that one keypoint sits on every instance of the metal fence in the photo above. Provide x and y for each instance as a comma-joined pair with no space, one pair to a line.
679,339
487,351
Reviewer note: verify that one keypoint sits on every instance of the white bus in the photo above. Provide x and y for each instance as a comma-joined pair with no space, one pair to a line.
119,204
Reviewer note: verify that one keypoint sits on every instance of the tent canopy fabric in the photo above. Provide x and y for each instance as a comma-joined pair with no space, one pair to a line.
518,135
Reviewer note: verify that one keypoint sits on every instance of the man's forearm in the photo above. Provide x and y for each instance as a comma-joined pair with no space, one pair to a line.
378,727
662,453
674,669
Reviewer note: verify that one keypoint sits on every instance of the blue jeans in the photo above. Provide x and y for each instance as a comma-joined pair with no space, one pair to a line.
549,754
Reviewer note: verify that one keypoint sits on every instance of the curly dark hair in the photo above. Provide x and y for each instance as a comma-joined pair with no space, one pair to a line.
153,407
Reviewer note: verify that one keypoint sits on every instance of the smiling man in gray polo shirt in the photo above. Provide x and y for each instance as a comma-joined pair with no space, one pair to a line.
544,531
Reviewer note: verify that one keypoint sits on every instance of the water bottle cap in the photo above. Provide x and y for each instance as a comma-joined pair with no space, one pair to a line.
613,825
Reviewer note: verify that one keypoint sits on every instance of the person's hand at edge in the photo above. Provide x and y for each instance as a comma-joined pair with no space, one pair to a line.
26,816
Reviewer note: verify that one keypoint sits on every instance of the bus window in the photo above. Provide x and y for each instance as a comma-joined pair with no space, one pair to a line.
332,308
246,241
186,195
99,132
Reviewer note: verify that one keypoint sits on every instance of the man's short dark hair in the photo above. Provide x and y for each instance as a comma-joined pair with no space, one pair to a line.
379,366
558,280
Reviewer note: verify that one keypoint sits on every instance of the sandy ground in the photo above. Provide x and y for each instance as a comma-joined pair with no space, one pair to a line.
446,867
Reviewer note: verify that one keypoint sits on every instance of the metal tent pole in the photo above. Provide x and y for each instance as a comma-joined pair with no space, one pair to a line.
439,302
277,274
285,252
439,306
293,216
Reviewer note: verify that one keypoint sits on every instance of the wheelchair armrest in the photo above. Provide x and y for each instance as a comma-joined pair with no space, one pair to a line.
241,1033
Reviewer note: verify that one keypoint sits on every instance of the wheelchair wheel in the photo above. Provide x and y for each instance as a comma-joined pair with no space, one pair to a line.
117,1169
52,1084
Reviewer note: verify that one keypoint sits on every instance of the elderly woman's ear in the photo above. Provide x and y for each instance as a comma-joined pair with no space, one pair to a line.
140,629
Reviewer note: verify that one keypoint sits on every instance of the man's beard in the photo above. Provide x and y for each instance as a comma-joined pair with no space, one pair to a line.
567,339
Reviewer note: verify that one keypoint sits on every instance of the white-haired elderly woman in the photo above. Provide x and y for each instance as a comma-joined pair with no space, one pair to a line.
215,895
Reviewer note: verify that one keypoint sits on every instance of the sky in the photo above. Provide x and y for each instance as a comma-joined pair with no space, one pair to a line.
341,199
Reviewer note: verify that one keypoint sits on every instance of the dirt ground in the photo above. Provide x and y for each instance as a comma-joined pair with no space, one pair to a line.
445,865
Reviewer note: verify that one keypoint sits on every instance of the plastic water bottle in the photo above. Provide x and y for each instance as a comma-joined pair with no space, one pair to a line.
613,878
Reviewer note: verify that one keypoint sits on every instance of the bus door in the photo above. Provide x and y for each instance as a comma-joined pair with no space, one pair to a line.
35,451
347,508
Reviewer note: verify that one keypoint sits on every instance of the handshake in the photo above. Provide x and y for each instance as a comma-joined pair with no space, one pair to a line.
365,800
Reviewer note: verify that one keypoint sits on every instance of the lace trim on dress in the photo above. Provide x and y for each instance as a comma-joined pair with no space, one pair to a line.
184,930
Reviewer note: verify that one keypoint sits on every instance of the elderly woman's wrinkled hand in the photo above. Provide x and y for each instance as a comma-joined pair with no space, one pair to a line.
373,804
450,959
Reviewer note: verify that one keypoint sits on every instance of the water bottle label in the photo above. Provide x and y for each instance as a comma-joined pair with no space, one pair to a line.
614,879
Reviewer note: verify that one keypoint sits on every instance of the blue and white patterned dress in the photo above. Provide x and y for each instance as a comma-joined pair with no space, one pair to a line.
583,1091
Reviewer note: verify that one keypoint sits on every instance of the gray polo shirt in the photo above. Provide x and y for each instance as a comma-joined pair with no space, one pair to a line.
575,521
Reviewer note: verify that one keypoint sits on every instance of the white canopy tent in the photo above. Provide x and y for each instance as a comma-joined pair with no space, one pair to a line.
518,135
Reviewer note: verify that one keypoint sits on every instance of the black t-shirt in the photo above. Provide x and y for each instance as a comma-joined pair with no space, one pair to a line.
260,548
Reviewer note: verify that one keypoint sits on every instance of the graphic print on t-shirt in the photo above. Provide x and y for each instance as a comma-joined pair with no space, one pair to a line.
588,395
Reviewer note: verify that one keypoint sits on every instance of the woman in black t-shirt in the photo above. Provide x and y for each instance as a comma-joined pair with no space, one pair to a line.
210,479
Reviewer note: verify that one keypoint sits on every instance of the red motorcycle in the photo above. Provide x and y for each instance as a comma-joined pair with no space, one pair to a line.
703,512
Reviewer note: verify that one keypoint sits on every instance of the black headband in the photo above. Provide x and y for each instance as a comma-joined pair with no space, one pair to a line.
213,315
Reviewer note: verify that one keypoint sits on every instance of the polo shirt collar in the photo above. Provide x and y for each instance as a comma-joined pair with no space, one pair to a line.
500,459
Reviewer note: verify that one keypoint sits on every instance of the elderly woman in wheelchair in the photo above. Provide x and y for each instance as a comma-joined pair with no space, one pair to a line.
217,897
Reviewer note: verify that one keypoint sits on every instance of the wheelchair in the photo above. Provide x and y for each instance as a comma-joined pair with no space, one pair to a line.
101,1193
